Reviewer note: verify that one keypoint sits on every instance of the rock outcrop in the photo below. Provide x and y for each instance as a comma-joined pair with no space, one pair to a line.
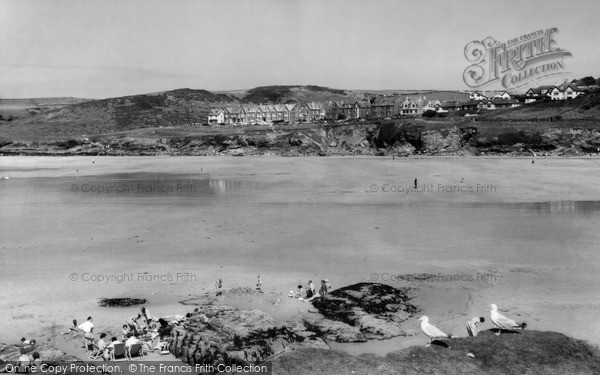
120,302
215,334
48,353
360,312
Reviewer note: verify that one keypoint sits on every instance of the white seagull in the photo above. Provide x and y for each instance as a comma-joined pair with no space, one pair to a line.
432,331
503,322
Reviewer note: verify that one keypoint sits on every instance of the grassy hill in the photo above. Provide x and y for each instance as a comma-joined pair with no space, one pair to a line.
181,107
532,353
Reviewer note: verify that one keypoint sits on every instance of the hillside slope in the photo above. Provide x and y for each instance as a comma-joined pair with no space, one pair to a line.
532,353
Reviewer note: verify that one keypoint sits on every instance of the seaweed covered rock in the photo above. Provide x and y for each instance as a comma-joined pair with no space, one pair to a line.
120,302
374,309
215,334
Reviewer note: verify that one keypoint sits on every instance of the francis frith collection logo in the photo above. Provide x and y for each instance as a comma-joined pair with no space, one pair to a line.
516,62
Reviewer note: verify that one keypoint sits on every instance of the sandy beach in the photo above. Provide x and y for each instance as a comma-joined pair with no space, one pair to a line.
496,230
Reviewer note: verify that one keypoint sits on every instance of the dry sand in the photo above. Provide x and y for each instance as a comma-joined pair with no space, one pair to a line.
529,244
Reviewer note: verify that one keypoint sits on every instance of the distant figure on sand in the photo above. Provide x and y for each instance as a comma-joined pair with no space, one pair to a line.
259,284
325,286
473,325
300,292
416,185
219,287
310,291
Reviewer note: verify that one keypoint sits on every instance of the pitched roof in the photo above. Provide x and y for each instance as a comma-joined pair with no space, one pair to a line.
382,101
233,110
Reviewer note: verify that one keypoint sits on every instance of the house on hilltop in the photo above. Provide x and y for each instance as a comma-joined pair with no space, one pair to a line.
564,92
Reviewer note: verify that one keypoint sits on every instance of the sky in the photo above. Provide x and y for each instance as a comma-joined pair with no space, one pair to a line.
108,48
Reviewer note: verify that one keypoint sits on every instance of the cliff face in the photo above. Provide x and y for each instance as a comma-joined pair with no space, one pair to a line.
397,139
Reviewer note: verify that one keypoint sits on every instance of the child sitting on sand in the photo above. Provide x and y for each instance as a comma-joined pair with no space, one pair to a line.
297,294
72,328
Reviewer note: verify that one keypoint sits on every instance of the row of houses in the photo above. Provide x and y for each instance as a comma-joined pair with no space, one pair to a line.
267,114
554,92
384,106
379,107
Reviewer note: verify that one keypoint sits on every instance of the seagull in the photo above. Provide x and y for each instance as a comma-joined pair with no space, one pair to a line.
503,322
431,331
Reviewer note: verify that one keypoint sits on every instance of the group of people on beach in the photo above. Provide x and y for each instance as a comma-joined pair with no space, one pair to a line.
28,355
141,328
310,292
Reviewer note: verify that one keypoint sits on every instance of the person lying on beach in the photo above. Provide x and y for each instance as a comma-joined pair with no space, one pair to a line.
473,325
72,328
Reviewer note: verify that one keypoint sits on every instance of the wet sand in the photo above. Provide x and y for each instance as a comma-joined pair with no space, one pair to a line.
531,229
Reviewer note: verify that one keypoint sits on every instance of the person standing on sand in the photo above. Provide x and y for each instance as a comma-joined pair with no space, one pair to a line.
310,291
416,185
259,284
87,326
219,287
325,286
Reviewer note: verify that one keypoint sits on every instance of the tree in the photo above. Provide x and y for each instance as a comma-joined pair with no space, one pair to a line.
586,81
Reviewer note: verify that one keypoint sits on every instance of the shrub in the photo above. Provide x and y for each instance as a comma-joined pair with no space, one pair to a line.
429,113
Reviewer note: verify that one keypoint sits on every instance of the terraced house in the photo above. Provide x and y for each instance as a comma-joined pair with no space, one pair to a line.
264,114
